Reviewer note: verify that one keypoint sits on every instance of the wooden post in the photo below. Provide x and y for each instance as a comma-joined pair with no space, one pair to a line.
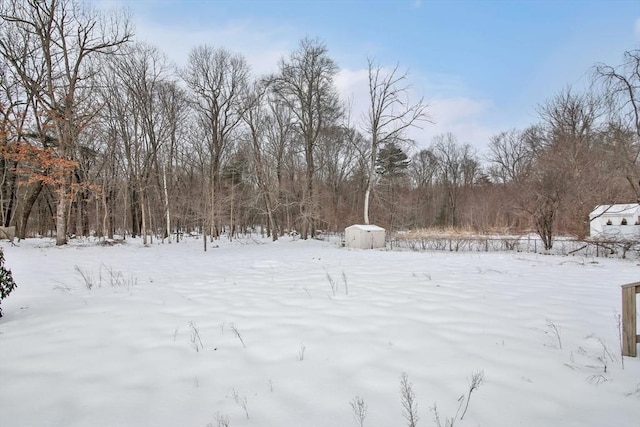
629,322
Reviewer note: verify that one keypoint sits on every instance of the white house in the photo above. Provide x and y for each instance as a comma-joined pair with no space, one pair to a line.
615,221
364,237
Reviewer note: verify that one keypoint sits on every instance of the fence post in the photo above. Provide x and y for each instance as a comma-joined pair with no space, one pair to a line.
629,322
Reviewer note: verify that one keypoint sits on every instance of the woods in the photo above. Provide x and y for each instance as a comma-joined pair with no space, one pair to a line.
101,135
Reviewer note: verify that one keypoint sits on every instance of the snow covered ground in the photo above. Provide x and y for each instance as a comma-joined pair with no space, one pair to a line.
251,333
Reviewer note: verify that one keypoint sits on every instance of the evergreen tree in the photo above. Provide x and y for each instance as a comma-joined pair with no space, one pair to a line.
391,161
6,280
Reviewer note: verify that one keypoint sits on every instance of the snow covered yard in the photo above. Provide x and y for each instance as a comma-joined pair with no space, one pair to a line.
288,333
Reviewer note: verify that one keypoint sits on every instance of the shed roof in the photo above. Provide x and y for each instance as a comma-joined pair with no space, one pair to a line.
366,227
619,209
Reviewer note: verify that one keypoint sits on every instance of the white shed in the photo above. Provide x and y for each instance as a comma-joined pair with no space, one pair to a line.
364,236
611,221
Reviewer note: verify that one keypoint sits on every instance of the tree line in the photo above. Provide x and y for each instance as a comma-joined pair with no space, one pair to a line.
102,135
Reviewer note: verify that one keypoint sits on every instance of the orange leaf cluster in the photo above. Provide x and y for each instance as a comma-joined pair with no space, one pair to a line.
38,164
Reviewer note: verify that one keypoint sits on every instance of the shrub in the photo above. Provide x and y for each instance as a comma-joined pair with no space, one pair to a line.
6,280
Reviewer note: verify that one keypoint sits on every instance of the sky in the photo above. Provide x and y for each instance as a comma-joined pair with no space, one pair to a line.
482,66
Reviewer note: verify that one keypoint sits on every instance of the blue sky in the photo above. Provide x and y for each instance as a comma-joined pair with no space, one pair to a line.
483,66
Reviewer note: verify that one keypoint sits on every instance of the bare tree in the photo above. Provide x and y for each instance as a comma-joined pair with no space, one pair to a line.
570,120
510,155
620,148
424,172
390,114
457,167
339,150
564,175
279,149
424,166
544,193
218,80
257,119
14,113
621,88
511,160
573,122
133,102
51,45
174,106
304,84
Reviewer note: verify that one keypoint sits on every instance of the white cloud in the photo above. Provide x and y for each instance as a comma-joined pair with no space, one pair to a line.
261,47
261,44
461,116
450,110
353,87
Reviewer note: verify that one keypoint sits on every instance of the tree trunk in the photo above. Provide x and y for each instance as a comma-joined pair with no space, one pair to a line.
84,214
166,204
61,220
10,194
272,226
105,217
308,213
367,195
231,225
370,177
28,206
111,203
143,217
135,220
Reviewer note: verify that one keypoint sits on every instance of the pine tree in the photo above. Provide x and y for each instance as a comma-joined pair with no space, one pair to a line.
391,161
6,280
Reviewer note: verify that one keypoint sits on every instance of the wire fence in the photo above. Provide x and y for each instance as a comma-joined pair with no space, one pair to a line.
531,244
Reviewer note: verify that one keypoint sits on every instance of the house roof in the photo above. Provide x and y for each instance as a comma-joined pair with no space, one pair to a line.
615,210
366,227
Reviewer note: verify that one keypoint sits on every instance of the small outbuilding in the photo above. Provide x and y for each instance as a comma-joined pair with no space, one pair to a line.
615,221
361,236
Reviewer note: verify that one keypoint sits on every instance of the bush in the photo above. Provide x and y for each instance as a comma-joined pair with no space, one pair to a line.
6,281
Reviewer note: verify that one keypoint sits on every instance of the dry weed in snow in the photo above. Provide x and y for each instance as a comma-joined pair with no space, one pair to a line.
409,403
359,409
